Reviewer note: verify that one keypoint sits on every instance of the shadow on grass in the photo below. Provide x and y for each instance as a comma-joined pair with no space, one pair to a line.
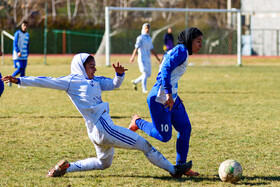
166,178
265,180
250,181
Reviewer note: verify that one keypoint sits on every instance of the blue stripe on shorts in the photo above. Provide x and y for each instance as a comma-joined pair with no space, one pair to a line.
122,137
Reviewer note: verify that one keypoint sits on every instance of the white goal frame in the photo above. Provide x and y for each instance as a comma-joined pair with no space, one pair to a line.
107,23
3,32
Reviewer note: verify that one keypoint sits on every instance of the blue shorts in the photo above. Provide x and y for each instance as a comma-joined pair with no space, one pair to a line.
163,119
20,64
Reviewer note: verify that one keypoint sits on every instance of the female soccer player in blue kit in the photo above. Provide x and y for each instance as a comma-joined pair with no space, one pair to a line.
21,50
1,82
85,89
1,85
166,108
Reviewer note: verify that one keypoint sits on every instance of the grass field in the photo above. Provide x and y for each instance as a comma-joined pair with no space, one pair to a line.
234,113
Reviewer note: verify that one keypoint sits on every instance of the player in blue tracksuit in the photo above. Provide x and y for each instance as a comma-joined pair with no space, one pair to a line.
1,82
85,89
21,50
168,40
1,85
166,108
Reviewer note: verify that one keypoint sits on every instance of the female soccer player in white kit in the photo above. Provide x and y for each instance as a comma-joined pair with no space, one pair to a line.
84,89
144,46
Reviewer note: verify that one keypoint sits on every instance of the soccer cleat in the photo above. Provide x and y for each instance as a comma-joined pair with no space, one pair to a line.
134,86
145,91
180,169
59,169
191,173
133,127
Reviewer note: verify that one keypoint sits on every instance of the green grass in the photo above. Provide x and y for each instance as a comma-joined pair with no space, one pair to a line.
234,114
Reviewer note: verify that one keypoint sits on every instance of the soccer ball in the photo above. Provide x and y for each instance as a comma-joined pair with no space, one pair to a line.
230,171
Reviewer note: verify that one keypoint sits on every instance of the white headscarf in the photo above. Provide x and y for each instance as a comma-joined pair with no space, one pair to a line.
143,31
77,64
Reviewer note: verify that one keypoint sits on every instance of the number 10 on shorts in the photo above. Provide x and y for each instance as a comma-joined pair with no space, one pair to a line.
164,127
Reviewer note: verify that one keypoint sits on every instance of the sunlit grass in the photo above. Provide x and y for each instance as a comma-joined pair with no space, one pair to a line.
234,113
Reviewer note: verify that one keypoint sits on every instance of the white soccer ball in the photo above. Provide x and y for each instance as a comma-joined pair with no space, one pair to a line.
230,171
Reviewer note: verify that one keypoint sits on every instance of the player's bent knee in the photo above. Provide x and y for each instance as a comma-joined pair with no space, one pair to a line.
105,164
166,138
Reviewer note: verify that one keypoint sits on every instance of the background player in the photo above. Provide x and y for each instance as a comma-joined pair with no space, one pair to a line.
85,89
1,82
144,46
21,50
166,108
168,40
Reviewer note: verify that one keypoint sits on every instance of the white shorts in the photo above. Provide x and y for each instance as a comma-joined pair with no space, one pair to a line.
105,136
145,67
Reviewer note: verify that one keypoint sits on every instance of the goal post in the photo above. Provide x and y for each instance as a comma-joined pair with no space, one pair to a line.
4,33
135,16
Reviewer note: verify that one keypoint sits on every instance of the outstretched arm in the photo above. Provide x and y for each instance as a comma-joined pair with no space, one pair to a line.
61,83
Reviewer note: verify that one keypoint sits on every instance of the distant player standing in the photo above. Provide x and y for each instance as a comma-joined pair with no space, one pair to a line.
21,50
1,82
1,85
85,89
168,40
144,46
166,107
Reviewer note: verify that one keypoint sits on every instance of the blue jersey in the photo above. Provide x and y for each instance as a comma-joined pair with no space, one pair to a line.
21,44
173,66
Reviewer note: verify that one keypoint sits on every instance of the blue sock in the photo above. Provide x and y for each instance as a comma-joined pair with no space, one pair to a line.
148,128
17,71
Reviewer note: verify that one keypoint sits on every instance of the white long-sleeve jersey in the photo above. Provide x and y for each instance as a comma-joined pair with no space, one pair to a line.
84,93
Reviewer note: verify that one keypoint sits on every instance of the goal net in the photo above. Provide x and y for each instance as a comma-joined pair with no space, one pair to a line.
221,29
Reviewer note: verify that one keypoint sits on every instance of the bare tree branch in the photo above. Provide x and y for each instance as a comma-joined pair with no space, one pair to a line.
69,10
76,8
15,11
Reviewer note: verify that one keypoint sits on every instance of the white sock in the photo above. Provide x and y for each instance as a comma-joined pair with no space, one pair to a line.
156,158
87,164
139,79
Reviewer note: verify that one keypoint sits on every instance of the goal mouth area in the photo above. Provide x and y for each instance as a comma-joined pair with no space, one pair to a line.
123,24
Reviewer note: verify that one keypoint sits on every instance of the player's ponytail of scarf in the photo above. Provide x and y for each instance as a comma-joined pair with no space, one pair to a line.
187,36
